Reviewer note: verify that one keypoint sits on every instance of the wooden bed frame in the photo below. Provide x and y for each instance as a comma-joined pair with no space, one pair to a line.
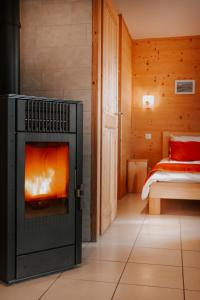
171,190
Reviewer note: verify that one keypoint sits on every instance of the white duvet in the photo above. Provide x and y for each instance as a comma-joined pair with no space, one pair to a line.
170,176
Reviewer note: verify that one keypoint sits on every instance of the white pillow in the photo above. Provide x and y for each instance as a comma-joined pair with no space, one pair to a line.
185,138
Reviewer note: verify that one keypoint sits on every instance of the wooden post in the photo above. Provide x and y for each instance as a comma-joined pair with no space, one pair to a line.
154,206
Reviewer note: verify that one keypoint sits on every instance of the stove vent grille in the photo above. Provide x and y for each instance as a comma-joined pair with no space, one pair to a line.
47,116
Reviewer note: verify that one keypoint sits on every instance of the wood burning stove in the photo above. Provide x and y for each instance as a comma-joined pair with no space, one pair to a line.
40,179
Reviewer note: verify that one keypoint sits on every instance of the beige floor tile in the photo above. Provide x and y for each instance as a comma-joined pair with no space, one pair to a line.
131,210
191,259
121,233
129,219
158,241
192,279
123,240
153,275
189,221
29,290
105,271
130,292
192,295
121,230
98,251
118,228
164,230
162,220
192,230
189,233
118,233
79,289
190,243
156,256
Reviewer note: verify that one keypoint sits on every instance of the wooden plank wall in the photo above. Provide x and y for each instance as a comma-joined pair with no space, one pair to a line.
157,63
125,100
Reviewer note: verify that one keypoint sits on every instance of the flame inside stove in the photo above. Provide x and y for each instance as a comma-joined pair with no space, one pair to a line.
40,185
46,171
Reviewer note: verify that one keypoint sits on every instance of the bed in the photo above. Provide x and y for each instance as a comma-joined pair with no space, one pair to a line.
184,188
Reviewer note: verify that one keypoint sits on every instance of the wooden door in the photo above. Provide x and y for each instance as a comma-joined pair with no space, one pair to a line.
109,115
125,105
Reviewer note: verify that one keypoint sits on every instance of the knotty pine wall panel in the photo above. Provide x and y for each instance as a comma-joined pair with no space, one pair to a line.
157,63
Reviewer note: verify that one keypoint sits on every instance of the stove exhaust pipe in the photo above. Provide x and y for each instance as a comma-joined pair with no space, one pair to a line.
9,47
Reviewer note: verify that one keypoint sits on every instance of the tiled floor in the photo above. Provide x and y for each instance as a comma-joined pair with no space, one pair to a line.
140,257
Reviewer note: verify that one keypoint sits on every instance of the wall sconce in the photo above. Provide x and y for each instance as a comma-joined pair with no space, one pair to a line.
148,101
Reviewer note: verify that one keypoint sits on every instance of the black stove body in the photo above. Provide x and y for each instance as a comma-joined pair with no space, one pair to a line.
40,181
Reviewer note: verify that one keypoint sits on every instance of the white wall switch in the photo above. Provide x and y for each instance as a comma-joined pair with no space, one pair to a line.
148,136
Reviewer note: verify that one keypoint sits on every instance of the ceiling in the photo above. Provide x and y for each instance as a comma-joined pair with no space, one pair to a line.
160,18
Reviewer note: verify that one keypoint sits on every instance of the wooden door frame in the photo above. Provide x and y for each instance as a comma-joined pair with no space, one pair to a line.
96,118
96,130
119,196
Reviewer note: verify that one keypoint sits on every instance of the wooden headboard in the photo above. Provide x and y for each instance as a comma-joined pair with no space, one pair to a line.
166,136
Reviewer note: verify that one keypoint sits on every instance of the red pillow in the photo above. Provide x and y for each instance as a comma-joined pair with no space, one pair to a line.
184,151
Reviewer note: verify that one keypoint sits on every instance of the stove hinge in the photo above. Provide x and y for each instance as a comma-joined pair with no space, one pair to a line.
78,189
78,193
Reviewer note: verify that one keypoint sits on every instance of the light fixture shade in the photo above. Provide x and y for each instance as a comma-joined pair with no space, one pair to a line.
148,101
